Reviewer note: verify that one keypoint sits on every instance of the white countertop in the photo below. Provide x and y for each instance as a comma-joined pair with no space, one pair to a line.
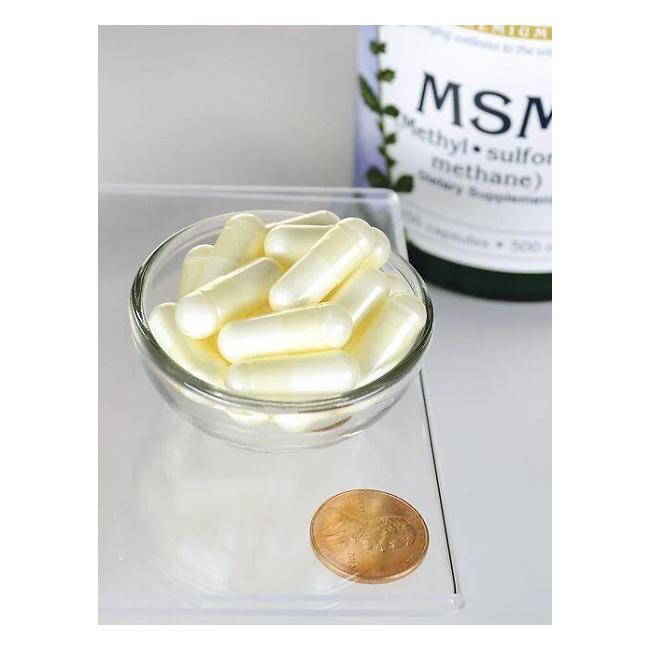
489,372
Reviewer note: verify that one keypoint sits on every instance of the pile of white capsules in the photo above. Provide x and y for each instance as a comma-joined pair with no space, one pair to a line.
294,310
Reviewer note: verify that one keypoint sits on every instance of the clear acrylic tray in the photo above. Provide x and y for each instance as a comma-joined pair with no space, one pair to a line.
189,524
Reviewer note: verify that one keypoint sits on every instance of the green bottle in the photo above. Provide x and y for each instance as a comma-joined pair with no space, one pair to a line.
457,120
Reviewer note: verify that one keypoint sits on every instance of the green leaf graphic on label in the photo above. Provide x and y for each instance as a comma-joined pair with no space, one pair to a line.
369,98
404,184
376,178
386,75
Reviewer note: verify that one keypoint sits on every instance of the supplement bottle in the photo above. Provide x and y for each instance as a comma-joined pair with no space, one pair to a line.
457,120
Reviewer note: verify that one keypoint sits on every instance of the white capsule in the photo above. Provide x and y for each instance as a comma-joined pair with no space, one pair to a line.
397,284
197,357
380,252
318,218
306,329
193,268
247,418
288,244
240,241
261,311
294,376
361,294
324,266
314,422
235,295
214,267
389,335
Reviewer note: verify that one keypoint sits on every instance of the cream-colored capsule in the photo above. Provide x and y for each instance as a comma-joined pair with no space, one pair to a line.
327,263
318,218
241,241
288,244
208,308
397,284
214,267
380,252
306,329
361,293
261,311
314,422
294,376
197,357
247,418
193,268
389,335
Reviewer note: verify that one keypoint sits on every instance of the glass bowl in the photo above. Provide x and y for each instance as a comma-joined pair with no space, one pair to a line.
263,425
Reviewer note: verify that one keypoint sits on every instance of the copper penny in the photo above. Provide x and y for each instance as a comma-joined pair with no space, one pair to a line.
369,536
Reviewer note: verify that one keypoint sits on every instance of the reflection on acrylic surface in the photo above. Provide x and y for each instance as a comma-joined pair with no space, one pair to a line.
219,519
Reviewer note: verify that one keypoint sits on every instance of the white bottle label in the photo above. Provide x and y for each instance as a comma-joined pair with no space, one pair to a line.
458,119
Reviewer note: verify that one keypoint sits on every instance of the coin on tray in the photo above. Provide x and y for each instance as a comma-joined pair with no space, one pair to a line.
369,536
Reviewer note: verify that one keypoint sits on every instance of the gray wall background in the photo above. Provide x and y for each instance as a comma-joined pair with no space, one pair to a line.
227,105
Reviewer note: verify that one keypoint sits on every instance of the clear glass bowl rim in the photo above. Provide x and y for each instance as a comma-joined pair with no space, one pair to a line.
142,333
